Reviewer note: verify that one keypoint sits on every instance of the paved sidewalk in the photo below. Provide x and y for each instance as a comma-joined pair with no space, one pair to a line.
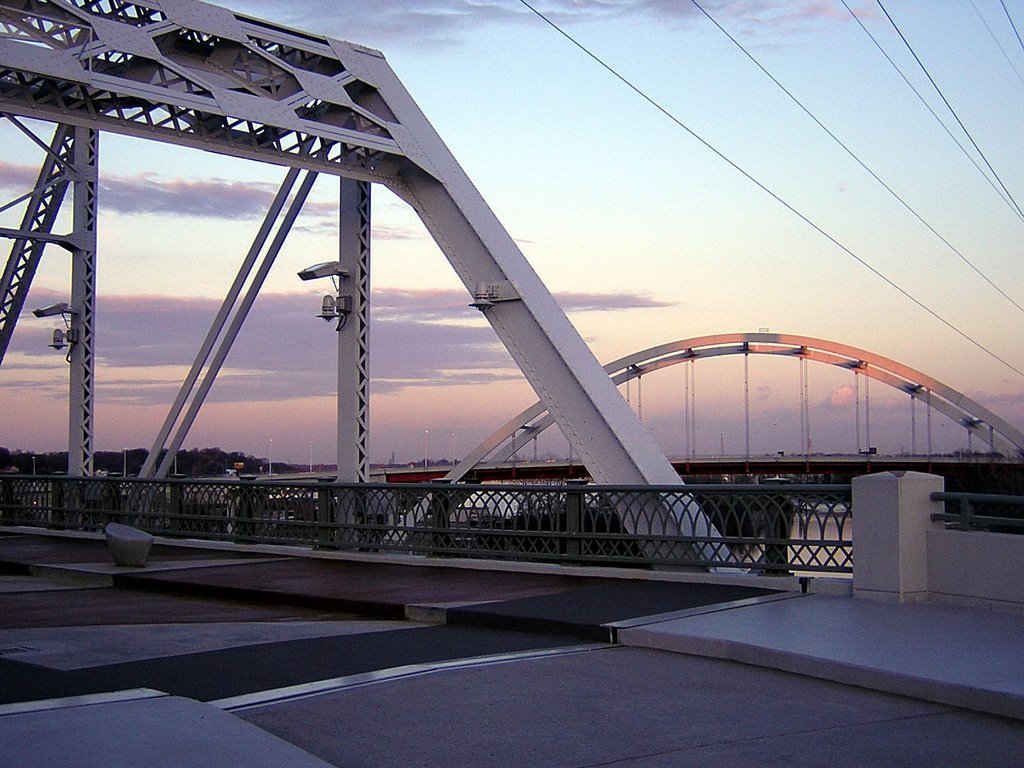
961,656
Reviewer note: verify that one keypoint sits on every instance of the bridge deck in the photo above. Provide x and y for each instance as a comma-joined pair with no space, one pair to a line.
549,698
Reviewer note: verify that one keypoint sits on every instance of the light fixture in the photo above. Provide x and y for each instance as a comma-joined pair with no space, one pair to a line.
52,310
487,294
331,307
61,337
323,269
58,340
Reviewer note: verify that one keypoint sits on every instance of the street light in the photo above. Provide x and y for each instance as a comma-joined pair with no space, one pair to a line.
270,458
52,310
62,337
336,307
339,307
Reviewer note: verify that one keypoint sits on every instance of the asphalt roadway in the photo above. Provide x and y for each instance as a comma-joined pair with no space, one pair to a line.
225,657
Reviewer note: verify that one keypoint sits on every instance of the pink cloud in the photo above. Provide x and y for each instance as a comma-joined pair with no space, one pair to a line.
17,178
841,397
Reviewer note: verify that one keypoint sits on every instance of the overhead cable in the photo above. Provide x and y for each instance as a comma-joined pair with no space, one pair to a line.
939,120
760,185
950,107
854,156
1013,26
995,40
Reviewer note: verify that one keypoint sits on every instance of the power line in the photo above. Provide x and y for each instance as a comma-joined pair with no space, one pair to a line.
760,185
1013,26
854,156
934,114
995,40
950,108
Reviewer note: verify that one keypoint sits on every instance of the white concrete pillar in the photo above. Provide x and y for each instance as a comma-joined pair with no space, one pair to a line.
892,512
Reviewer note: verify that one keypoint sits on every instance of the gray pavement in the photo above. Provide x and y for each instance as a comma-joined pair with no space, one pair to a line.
633,707
699,673
966,657
139,729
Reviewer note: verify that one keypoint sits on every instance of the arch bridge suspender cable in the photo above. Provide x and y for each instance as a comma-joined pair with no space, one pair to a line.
976,418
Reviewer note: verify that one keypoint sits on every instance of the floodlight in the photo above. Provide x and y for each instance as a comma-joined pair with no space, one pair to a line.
329,308
58,341
324,269
52,310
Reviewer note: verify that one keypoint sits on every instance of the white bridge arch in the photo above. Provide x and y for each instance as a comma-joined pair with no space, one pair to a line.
977,419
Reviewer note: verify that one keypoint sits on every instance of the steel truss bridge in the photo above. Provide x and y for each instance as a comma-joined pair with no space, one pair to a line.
201,76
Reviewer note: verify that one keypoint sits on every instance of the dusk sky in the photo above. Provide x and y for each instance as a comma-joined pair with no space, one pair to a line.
643,233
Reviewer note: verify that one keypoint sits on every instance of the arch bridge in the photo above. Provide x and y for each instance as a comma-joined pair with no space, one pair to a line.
979,421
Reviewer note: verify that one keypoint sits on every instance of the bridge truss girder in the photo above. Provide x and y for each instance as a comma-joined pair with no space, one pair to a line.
71,160
43,206
201,76
502,444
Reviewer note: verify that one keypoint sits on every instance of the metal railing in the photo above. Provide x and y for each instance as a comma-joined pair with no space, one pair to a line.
981,512
771,530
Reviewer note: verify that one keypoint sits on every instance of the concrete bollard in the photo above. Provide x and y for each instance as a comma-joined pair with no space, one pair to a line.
129,547
892,513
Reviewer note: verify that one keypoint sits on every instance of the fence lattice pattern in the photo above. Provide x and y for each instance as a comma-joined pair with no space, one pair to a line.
769,529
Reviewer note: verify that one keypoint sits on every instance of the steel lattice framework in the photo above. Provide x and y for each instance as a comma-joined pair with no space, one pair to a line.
202,76
973,416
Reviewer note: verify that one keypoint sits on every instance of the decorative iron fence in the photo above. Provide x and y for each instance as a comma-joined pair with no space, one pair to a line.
766,529
981,512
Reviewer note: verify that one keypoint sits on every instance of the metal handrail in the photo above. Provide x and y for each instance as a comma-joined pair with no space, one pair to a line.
774,529
966,517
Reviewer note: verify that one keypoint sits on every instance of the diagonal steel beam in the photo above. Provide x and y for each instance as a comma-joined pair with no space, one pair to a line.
236,322
149,468
40,216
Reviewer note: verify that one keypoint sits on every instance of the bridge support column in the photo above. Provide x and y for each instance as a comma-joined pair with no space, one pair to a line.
353,348
85,165
892,513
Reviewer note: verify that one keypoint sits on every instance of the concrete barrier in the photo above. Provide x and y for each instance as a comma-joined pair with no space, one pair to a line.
976,567
900,555
129,547
892,512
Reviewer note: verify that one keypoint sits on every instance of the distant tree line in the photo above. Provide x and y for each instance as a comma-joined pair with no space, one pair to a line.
197,462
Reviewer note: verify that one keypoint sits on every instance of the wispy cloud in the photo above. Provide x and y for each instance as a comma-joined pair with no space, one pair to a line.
605,302
443,22
17,178
151,193
423,338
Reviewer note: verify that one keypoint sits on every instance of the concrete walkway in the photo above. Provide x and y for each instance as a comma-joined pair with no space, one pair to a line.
964,657
281,640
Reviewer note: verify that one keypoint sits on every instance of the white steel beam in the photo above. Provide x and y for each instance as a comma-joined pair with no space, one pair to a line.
153,466
353,346
85,169
228,339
